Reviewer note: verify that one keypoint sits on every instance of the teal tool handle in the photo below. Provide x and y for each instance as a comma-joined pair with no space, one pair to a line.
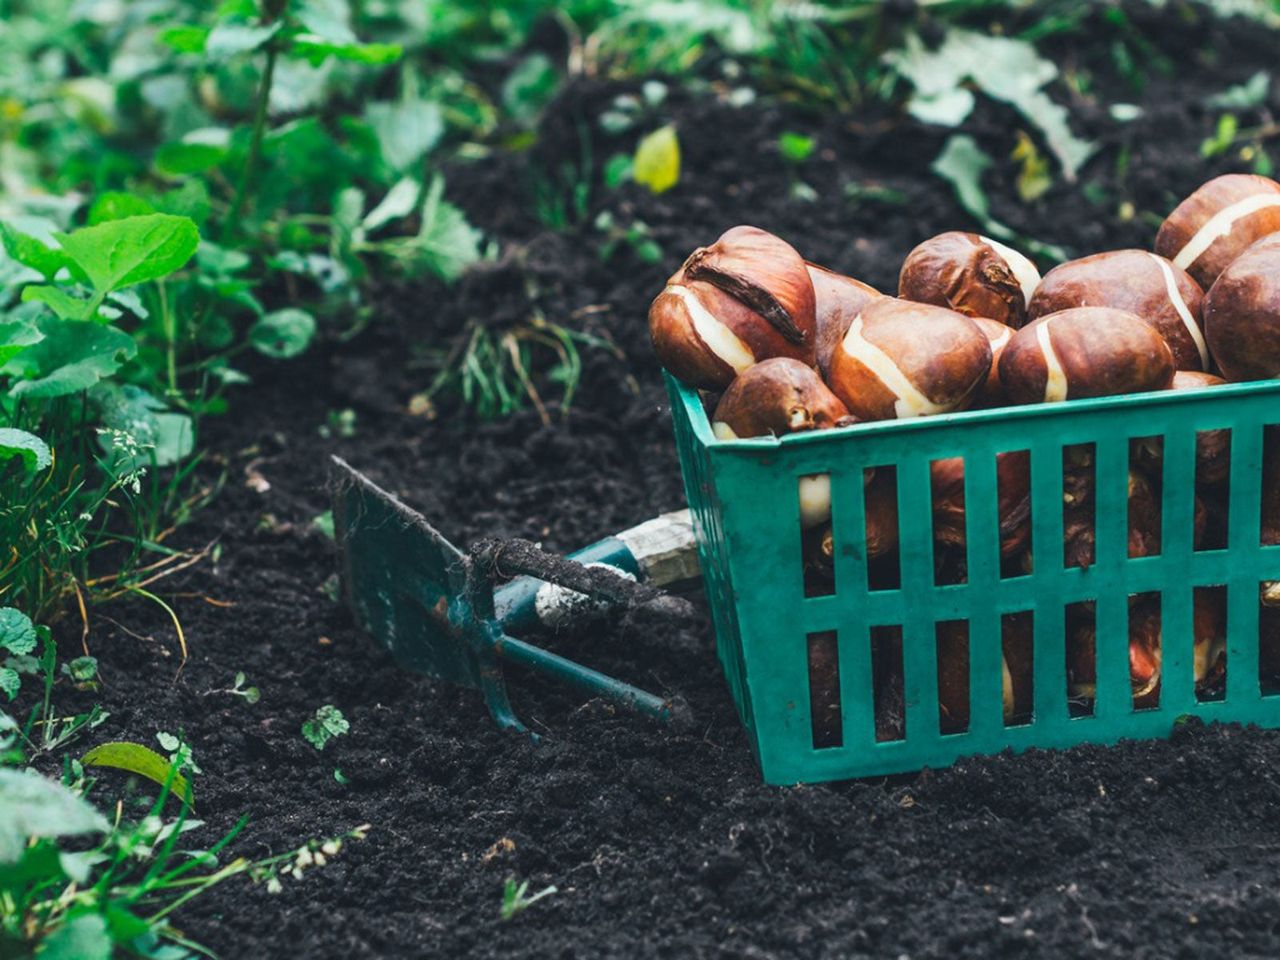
662,552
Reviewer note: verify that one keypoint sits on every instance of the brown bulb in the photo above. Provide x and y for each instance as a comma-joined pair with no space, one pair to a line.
776,396
991,393
745,298
901,359
971,274
1084,352
1144,284
837,299
1219,222
1242,313
1013,484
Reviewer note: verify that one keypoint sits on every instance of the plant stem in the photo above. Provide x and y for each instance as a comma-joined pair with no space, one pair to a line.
255,143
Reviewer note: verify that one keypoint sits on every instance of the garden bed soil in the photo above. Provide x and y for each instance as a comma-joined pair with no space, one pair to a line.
662,842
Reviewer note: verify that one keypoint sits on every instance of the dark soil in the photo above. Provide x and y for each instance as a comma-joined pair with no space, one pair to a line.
664,842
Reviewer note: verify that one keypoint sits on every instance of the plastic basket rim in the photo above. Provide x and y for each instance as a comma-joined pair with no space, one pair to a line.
965,418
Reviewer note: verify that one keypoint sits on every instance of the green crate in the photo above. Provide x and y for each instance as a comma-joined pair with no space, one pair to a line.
743,494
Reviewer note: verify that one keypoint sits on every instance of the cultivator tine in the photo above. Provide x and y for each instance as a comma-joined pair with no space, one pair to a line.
433,606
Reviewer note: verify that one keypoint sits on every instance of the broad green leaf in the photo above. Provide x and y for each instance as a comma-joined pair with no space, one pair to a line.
448,242
81,938
657,160
283,333
228,39
16,336
71,357
115,205
180,159
37,807
10,682
327,723
1005,69
406,129
135,758
34,453
189,200
32,252
58,300
120,253
17,632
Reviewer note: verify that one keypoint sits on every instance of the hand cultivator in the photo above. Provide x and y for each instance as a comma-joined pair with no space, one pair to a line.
441,612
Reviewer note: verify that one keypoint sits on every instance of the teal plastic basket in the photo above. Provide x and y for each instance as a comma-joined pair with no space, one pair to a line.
743,495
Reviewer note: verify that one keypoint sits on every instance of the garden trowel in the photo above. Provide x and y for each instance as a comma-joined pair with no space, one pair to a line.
440,612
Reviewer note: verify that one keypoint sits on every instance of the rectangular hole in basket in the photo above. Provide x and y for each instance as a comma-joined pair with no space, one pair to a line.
952,640
1013,511
880,498
1082,659
824,691
1209,631
1078,505
1145,650
889,683
946,488
1146,514
1017,645
1269,637
1213,489
817,540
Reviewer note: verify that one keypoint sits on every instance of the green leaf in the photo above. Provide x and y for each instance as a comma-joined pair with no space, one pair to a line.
796,147
135,758
1223,137
82,938
1244,96
316,50
156,435
283,333
33,451
406,130
1005,69
400,201
37,807
58,300
185,39
71,357
229,38
180,159
657,160
10,682
32,252
120,253
115,205
16,336
17,632
327,723
961,163
617,170
451,243
529,87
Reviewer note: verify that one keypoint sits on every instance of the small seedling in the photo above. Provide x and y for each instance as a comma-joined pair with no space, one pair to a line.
179,752
324,726
83,672
515,897
238,689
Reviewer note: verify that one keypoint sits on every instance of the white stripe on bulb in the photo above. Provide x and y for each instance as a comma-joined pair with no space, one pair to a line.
1221,224
910,401
1188,321
719,339
1055,378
